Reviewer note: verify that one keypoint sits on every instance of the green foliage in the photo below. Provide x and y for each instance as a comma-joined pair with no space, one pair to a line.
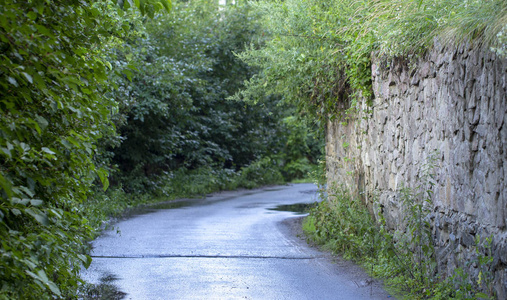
318,174
53,77
416,242
184,183
298,58
261,172
147,7
402,27
501,46
304,144
199,182
470,286
51,115
317,54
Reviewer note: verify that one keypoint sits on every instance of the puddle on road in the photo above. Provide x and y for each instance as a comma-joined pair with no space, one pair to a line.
106,289
298,208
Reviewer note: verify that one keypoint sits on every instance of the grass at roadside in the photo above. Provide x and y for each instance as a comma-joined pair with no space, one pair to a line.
404,260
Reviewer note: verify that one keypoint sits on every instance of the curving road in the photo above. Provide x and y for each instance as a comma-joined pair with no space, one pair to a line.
227,246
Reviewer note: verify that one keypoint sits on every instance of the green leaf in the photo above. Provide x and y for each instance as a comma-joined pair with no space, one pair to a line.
32,15
6,152
20,201
43,123
28,77
132,67
38,215
74,141
57,213
48,151
41,276
36,202
39,81
126,3
52,286
43,30
33,275
86,259
167,5
86,91
12,81
27,191
66,144
142,6
103,178
128,73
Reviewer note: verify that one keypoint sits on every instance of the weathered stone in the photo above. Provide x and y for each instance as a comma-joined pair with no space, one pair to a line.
501,252
475,58
424,69
467,240
481,130
467,132
475,144
459,87
472,99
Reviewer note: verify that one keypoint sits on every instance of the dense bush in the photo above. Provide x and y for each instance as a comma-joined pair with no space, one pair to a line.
52,112
344,224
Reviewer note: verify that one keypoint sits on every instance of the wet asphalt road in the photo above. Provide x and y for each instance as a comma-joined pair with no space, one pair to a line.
228,246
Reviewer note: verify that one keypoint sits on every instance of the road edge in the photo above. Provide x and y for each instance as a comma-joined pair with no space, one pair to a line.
293,230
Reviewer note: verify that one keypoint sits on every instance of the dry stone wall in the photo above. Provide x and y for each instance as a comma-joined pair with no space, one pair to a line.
451,105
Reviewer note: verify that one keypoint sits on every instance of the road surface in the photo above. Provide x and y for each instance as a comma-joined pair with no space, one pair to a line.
230,245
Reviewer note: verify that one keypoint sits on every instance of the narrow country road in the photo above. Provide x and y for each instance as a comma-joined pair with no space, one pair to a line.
231,245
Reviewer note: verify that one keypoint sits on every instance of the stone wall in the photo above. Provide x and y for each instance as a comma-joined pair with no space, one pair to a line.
452,103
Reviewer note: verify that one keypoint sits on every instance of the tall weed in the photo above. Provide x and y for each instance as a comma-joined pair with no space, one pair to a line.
342,224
